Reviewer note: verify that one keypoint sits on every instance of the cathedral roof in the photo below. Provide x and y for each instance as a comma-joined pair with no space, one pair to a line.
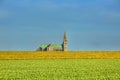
57,45
43,46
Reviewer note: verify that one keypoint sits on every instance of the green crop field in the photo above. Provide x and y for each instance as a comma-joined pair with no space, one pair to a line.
60,69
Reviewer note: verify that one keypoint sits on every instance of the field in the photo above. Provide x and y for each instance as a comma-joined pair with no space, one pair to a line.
35,65
60,69
33,55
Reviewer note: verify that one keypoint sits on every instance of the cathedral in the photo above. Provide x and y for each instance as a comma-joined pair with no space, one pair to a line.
55,47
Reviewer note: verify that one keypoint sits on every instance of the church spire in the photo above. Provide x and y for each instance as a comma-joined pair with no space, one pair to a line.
65,37
65,42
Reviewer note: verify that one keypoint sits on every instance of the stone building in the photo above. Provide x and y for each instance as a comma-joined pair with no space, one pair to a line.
55,47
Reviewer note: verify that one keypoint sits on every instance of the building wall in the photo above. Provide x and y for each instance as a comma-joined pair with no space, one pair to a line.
50,48
65,43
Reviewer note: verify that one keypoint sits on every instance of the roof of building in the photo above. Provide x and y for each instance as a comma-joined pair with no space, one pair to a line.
57,45
43,46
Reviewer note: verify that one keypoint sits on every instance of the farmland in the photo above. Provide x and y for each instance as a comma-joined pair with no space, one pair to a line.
35,65
36,55
60,69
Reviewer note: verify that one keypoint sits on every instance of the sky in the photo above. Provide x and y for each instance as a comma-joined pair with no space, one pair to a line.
90,24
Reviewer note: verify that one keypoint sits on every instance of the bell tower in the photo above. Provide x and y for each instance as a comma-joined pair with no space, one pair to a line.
65,47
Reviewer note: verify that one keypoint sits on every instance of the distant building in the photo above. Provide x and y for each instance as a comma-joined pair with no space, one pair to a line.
55,47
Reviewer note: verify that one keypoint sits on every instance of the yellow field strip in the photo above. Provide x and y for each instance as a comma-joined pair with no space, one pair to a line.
57,55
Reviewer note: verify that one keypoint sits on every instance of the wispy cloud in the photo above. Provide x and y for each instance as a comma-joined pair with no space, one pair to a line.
45,4
4,14
72,11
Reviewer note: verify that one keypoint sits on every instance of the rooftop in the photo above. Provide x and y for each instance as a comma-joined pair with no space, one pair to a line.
43,46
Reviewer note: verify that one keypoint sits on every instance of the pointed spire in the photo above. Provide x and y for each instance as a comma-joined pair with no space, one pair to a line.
65,37
65,42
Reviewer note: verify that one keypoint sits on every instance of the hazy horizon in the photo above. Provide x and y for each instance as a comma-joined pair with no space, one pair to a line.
90,25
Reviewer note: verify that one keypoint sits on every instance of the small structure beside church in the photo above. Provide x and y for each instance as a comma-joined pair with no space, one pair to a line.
55,47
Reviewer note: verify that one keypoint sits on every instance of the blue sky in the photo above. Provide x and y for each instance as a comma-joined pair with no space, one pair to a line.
90,24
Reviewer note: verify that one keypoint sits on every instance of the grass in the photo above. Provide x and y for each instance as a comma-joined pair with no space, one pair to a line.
60,69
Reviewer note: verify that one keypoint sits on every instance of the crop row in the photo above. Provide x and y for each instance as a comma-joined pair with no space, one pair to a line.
57,55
